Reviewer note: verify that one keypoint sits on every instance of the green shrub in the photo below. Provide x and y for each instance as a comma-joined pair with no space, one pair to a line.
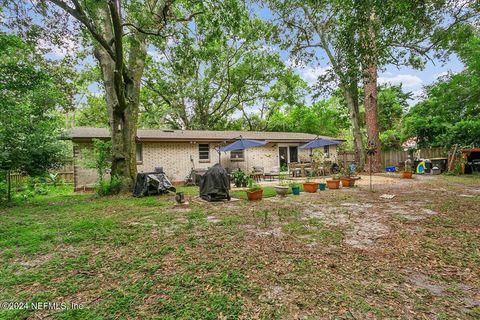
107,188
3,191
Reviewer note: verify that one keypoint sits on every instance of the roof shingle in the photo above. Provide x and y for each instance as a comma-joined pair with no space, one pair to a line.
86,133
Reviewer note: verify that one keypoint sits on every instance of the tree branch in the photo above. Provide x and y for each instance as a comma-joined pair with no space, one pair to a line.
79,14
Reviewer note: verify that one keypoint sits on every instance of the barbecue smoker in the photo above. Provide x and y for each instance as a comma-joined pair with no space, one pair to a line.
214,184
152,183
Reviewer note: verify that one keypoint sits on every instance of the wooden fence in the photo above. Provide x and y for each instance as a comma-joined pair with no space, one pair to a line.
65,174
395,157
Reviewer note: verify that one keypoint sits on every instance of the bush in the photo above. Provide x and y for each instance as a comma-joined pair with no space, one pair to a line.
108,188
3,191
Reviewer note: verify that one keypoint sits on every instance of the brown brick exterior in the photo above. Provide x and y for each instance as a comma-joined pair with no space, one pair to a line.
174,157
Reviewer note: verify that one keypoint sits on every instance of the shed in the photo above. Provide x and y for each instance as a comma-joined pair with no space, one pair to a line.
472,161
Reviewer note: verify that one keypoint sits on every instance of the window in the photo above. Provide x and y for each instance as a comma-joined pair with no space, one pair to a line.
204,152
293,153
326,150
139,152
237,155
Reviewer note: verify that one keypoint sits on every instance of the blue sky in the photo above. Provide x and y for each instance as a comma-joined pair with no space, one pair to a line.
412,80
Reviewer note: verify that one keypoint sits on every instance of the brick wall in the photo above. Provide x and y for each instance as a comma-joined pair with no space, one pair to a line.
174,157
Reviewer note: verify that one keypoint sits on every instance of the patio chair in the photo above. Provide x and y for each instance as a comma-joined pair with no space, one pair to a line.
257,173
275,172
295,171
309,171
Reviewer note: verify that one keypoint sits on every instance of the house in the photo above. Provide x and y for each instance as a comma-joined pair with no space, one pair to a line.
178,151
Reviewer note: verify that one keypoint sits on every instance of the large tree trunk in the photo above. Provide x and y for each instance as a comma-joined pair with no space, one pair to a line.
123,121
371,117
370,87
351,96
123,130
122,92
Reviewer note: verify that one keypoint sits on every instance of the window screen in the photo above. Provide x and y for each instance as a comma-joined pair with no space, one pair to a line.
139,154
204,151
237,155
326,150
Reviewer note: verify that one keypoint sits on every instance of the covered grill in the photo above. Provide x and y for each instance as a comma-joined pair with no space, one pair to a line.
214,184
152,183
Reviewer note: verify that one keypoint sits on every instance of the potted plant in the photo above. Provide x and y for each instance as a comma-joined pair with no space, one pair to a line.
407,171
282,187
239,178
321,186
245,180
334,183
254,192
295,188
310,186
346,179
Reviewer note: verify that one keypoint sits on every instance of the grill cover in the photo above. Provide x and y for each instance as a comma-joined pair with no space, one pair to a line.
214,184
152,183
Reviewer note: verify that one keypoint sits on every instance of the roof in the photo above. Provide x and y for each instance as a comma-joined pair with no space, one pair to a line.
86,133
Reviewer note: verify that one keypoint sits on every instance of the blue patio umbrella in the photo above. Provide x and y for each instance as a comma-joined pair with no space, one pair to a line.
318,143
243,144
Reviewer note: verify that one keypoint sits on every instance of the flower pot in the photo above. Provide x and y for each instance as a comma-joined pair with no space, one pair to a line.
281,190
347,182
255,195
296,190
238,184
322,186
310,187
333,184
407,174
244,184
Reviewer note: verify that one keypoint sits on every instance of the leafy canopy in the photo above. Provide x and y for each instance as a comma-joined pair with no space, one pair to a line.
451,113
29,124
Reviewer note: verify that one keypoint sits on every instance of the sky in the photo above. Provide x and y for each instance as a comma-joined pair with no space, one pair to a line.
412,80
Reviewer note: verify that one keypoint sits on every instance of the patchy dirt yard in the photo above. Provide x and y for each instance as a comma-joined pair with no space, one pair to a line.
336,254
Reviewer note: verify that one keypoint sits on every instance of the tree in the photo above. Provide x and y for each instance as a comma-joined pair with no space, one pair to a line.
326,117
98,157
92,113
309,26
359,37
29,124
451,113
220,65
287,92
392,105
403,32
119,32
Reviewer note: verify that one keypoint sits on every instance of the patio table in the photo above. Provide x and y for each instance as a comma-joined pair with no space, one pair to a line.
302,167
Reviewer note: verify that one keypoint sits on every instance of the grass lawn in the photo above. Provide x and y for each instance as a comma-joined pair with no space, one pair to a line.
340,254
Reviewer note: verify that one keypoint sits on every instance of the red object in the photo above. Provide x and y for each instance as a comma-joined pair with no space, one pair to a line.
333,184
347,182
255,195
407,175
310,187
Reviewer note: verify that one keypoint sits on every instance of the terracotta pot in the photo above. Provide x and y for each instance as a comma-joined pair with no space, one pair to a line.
310,187
281,190
347,182
407,174
333,184
255,195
